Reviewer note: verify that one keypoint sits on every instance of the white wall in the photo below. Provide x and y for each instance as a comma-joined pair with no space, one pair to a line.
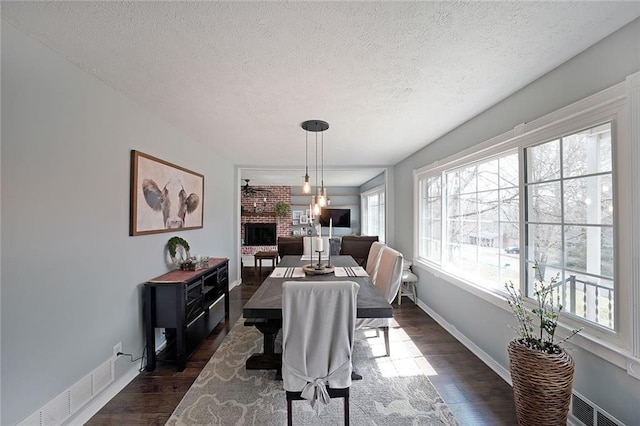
0,241
601,66
342,197
71,276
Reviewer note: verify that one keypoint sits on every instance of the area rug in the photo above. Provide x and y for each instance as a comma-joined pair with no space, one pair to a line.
394,390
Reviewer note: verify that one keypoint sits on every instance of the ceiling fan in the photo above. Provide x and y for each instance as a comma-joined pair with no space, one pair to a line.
248,191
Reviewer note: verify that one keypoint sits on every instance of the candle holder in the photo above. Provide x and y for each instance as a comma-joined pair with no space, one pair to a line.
319,266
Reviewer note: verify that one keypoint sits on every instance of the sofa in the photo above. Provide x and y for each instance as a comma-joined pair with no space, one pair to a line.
299,245
358,247
290,246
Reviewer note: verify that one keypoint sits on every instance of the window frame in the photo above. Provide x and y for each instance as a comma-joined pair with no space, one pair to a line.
561,179
609,105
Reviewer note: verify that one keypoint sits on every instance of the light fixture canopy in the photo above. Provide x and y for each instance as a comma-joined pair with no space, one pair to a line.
320,198
315,125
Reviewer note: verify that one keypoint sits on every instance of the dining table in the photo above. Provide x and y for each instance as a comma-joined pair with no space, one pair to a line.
264,309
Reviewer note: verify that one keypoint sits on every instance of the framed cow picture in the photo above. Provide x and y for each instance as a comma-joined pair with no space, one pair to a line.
164,197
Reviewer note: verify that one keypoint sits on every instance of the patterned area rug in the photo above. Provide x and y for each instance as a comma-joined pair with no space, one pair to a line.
394,391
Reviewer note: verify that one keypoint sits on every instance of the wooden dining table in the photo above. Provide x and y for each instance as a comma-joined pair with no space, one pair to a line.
264,309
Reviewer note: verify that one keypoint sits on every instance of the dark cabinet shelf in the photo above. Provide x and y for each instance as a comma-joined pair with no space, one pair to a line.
188,305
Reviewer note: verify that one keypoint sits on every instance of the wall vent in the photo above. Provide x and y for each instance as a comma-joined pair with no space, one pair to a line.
585,412
68,402
582,410
605,421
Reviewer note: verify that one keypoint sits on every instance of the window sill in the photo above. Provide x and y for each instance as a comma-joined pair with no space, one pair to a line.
608,351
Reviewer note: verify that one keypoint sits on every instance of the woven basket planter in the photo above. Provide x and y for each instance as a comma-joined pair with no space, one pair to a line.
542,385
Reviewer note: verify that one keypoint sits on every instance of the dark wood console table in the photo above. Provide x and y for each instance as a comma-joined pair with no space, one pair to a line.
188,304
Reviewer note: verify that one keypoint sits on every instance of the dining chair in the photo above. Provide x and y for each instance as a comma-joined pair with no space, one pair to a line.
318,327
373,260
388,280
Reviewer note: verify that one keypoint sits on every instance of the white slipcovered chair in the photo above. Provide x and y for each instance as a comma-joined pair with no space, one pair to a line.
318,327
373,260
388,279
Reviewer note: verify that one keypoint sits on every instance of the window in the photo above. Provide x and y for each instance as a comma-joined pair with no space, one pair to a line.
569,221
481,229
373,212
430,219
568,225
558,191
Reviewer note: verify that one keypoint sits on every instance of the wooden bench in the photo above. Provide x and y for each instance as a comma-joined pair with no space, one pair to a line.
264,255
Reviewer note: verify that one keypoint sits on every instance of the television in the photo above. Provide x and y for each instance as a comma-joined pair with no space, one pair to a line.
341,218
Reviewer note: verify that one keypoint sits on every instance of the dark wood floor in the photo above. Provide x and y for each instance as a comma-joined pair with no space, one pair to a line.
473,392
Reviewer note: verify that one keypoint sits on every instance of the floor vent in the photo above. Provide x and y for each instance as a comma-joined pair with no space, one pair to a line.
587,413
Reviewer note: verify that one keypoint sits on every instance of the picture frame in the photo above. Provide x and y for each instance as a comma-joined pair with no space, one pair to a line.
164,197
304,220
295,217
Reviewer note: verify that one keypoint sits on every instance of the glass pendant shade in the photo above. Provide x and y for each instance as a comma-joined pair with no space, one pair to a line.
322,200
306,187
315,202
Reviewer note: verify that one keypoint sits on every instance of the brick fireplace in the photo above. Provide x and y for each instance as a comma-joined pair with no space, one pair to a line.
251,214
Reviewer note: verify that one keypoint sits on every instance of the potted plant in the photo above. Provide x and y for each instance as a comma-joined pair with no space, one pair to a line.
541,370
282,209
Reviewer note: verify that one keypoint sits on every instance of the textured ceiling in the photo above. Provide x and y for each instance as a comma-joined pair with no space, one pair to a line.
389,77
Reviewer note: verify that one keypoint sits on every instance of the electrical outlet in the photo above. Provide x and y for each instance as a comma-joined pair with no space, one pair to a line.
117,348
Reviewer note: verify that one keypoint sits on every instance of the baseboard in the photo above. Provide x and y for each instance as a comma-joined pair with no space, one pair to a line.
99,401
235,284
96,404
484,357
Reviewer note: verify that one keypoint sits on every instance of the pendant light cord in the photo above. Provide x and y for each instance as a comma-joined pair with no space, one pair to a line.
322,154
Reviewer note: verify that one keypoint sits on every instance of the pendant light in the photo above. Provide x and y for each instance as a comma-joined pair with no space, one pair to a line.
320,198
306,187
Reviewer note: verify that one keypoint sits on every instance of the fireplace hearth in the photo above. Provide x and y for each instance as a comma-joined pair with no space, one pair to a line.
259,234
